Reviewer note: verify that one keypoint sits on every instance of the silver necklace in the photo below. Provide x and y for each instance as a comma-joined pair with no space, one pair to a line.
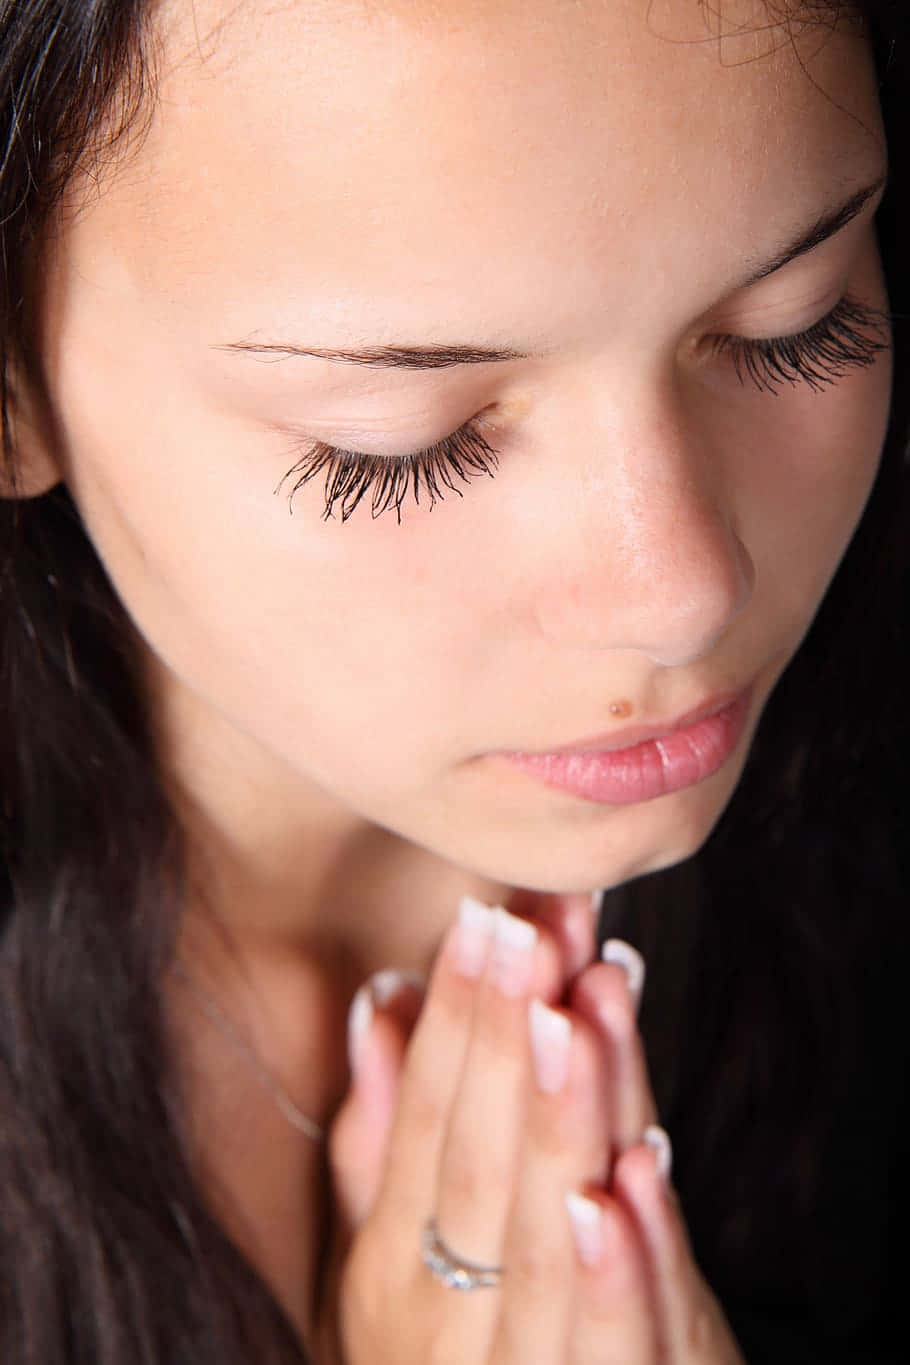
266,1078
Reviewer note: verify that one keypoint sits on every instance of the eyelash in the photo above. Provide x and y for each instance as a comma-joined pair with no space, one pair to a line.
349,476
819,356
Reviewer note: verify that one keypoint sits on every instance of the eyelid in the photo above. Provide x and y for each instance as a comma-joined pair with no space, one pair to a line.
719,335
344,437
341,432
850,335
823,274
785,318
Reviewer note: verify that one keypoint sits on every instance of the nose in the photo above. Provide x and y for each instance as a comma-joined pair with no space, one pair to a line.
649,557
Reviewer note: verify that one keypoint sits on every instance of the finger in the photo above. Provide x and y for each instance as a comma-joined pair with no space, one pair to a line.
478,1159
381,1019
692,1327
605,994
433,1067
614,1317
564,1146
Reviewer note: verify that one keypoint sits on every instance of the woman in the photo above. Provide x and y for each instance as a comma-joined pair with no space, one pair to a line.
429,437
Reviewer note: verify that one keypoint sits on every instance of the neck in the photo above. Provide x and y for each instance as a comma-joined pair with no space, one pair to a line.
293,901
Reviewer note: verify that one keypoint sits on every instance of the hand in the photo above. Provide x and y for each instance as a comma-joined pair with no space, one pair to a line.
487,1117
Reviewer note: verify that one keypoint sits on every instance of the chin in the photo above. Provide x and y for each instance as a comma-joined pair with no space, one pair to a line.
628,844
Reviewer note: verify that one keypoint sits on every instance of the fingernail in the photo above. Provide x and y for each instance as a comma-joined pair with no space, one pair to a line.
512,952
616,950
472,941
586,1219
387,984
658,1140
376,992
551,1038
360,1017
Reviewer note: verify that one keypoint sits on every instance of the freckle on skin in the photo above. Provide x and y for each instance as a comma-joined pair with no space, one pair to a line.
621,709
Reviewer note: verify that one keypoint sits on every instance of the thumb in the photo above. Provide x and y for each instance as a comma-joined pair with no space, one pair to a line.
380,1022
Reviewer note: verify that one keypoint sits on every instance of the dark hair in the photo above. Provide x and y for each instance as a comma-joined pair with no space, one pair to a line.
108,1255
107,1251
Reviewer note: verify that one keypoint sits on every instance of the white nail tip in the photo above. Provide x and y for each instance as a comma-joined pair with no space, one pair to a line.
387,984
378,991
587,1227
475,915
551,1038
549,1025
515,933
475,928
360,1017
658,1140
617,951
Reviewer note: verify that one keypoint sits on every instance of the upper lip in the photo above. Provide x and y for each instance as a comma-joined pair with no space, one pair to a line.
627,738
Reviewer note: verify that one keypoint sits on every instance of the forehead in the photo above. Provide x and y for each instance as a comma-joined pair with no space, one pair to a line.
387,150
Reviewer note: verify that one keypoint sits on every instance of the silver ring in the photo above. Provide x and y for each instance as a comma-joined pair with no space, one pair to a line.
451,1269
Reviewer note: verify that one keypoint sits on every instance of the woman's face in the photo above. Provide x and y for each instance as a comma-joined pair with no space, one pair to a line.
599,193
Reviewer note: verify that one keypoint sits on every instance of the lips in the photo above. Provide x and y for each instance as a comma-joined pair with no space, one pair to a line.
643,763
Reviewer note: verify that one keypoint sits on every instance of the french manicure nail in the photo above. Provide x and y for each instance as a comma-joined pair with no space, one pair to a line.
475,929
551,1038
586,1219
387,984
360,1017
616,950
376,992
658,1140
512,952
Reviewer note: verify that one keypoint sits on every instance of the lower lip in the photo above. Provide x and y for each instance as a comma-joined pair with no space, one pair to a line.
645,771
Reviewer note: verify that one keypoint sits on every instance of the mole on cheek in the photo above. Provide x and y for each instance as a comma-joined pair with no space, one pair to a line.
621,709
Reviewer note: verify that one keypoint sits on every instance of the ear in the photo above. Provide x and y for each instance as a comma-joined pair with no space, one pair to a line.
28,468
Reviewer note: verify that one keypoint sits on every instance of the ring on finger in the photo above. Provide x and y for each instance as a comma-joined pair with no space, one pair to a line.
452,1270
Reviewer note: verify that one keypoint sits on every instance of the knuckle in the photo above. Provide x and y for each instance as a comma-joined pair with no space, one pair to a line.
468,1178
498,1031
554,1130
426,1110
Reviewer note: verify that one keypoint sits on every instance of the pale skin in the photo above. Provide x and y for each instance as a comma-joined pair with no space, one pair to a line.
591,190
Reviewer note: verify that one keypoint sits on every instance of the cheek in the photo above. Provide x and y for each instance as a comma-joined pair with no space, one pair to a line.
320,640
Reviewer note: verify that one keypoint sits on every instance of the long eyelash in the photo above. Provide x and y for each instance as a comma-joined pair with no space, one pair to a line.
850,336
350,476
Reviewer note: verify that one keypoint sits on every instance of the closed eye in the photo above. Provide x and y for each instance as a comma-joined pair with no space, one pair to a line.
850,336
445,467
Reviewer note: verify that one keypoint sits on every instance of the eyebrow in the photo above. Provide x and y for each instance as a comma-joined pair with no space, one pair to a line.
385,357
827,226
440,357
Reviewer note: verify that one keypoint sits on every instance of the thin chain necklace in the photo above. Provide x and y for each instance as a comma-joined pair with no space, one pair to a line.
266,1078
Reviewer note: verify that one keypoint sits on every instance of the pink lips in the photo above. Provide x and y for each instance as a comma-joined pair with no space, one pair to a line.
689,753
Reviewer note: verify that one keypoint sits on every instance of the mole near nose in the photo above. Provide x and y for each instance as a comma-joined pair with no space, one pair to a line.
622,710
